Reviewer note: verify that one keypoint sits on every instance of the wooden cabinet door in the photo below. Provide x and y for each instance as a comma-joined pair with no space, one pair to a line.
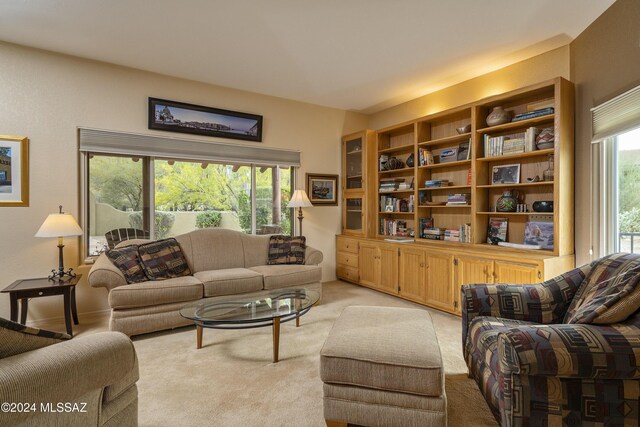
388,268
517,273
470,270
369,264
412,265
439,287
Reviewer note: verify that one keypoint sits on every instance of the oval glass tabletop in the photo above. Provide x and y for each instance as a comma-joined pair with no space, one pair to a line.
251,308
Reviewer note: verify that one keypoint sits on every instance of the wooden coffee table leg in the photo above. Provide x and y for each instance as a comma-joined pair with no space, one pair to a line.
276,338
199,336
297,321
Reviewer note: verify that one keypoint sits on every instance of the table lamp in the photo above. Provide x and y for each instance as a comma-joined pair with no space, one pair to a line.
299,200
60,225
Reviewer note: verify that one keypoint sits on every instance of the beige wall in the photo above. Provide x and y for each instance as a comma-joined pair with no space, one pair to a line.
605,61
548,65
46,96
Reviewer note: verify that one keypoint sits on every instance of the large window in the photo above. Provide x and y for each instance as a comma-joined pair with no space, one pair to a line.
142,196
621,204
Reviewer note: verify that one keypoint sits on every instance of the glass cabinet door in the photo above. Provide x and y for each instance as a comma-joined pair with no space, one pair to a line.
353,214
353,164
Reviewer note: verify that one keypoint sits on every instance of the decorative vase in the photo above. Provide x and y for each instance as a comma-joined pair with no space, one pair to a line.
508,202
545,139
547,174
498,116
410,160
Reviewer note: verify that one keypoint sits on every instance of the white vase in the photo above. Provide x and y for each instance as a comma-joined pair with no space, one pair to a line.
498,116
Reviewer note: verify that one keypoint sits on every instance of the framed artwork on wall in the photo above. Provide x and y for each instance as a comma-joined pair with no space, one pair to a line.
322,189
176,116
14,171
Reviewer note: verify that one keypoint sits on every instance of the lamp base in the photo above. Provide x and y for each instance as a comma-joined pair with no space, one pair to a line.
61,274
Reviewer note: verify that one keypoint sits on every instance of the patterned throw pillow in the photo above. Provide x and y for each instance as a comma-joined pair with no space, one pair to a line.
286,250
127,260
17,338
611,292
163,259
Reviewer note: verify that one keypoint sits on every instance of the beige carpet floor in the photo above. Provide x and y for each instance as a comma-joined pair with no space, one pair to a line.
232,381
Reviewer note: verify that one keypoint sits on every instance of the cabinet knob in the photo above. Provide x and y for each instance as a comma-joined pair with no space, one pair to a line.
422,265
539,275
40,293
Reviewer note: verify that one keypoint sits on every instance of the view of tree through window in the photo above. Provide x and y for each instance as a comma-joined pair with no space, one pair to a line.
188,195
628,209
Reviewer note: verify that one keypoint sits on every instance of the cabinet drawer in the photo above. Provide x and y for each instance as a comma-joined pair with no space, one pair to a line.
347,245
348,273
347,259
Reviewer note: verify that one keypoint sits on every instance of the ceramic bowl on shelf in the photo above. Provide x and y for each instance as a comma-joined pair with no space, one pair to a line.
464,129
543,206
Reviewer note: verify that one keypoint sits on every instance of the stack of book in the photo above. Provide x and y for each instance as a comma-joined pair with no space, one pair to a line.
394,204
513,144
458,199
532,114
393,227
390,184
436,183
425,157
433,233
405,185
423,224
451,235
465,233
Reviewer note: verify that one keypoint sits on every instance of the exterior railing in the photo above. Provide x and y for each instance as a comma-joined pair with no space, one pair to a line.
632,236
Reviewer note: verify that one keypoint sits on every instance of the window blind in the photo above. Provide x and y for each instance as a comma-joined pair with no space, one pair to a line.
111,142
615,116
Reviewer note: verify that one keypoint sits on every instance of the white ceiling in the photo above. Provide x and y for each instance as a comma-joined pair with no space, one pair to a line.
361,55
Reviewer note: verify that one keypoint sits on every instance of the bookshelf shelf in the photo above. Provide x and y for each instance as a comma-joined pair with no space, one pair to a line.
449,140
443,206
396,213
449,187
395,192
516,125
399,149
498,214
523,184
392,171
445,165
537,153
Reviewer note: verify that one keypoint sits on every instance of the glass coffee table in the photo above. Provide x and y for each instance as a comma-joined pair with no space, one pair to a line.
255,310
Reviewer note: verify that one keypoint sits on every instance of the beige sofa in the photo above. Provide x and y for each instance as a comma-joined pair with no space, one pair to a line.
223,262
84,381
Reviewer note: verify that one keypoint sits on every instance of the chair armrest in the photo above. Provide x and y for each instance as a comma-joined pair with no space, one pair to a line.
545,302
65,371
312,256
106,275
571,351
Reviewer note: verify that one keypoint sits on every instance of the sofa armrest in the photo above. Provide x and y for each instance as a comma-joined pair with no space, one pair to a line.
312,256
66,371
106,275
571,351
545,302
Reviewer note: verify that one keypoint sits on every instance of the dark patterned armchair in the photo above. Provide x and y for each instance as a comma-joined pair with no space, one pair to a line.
562,352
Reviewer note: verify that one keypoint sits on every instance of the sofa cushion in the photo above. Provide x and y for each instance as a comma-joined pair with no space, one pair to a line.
284,276
610,294
384,348
127,260
286,250
146,294
213,249
229,281
256,249
163,259
17,338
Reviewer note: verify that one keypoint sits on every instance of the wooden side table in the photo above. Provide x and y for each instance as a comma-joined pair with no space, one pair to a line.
42,287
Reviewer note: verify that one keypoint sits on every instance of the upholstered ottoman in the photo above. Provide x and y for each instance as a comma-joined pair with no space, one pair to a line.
381,366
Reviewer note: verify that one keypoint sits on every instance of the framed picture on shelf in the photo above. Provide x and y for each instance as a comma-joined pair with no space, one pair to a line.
463,151
200,120
539,233
505,174
322,189
14,171
497,230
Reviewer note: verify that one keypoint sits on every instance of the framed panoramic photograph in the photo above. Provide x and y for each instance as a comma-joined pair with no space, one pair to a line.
322,189
199,120
14,170
506,174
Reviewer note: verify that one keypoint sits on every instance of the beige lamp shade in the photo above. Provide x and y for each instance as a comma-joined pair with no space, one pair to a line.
59,225
299,200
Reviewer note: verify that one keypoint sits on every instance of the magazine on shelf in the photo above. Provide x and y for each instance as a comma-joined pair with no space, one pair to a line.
497,230
539,233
